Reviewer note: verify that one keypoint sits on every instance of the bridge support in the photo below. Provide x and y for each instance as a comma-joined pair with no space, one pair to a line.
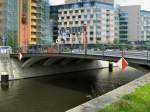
4,78
110,66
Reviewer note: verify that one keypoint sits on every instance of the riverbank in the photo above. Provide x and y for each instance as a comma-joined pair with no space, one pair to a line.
138,101
109,98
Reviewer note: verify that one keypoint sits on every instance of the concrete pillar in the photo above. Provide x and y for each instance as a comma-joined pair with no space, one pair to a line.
110,66
4,77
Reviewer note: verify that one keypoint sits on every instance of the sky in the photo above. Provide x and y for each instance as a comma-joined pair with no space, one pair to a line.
145,4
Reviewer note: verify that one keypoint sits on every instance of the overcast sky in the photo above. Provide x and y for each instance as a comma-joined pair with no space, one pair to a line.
144,3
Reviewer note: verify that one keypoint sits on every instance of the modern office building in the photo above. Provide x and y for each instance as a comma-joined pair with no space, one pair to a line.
145,26
8,22
129,23
99,18
134,24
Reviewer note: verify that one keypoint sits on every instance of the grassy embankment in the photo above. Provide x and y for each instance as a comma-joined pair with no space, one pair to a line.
138,101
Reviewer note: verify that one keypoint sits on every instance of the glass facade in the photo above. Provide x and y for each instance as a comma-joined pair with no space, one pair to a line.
145,25
44,23
11,23
123,26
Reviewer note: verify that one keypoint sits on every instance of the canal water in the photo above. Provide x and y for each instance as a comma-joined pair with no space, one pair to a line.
61,92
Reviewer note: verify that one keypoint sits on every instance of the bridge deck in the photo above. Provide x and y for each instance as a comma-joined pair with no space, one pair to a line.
138,57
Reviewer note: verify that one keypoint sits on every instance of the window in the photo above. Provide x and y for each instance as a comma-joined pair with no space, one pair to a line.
73,17
76,22
82,11
68,39
82,22
79,16
91,38
59,12
70,11
65,12
76,11
68,17
65,23
91,33
98,38
70,22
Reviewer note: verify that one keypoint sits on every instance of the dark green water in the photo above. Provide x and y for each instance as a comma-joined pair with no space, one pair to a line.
61,92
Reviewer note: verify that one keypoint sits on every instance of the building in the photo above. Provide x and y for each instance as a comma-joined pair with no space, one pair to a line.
134,24
33,23
8,22
99,18
25,23
145,26
75,1
129,23
2,17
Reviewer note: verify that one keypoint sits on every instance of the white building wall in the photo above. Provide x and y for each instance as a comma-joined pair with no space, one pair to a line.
100,24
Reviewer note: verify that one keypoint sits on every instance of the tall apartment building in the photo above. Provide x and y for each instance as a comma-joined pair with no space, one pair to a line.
26,22
34,18
99,18
75,1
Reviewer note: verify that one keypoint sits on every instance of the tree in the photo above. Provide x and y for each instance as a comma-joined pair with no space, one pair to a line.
116,41
12,40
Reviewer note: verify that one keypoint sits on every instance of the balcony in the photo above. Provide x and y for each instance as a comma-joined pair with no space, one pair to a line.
33,23
33,42
33,10
33,30
33,17
34,4
33,37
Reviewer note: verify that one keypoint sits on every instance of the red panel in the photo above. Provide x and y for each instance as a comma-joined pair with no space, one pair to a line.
84,39
124,63
24,50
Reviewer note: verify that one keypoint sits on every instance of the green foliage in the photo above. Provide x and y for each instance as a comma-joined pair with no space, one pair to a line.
1,42
116,41
138,101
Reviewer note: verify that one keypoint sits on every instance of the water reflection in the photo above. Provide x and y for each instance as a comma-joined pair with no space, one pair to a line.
61,92
4,86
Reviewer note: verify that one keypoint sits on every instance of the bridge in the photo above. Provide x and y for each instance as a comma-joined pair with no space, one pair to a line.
133,57
39,64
